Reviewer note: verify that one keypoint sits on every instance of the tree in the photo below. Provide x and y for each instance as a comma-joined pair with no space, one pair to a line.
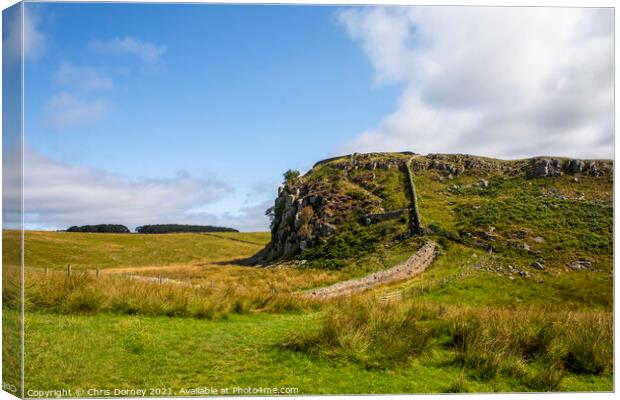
291,176
271,213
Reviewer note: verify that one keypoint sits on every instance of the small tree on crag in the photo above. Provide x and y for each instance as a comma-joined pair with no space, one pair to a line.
291,176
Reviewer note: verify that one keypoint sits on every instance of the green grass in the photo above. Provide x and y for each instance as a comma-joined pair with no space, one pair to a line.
570,228
533,348
259,238
106,351
239,342
11,351
90,251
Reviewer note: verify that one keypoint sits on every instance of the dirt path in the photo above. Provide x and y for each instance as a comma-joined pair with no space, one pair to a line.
414,265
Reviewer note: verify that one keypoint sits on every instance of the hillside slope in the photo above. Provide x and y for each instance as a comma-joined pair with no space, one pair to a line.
555,212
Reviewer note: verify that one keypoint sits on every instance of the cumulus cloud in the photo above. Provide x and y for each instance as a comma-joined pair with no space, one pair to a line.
66,110
129,45
82,77
12,186
249,218
506,82
57,195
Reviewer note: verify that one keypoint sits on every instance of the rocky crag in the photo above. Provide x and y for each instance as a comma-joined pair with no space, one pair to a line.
374,187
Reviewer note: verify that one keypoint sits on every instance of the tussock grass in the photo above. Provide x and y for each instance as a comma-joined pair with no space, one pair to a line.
494,342
82,293
534,346
374,334
281,278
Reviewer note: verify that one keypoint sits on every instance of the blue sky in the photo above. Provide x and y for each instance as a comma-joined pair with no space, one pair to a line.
236,94
139,113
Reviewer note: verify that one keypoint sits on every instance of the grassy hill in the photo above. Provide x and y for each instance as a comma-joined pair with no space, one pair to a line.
520,298
495,205
91,251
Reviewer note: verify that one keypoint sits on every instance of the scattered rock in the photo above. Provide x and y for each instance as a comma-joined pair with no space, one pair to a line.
580,264
483,183
489,236
519,234
539,239
538,265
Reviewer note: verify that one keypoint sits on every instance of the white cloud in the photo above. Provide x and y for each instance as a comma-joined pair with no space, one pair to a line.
57,195
35,42
65,111
507,82
249,218
11,36
147,52
82,77
11,186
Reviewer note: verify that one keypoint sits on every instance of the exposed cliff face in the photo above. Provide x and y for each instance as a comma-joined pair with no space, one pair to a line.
375,187
541,167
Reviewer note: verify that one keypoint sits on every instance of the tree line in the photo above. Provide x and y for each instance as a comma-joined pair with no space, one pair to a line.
160,228
101,228
176,228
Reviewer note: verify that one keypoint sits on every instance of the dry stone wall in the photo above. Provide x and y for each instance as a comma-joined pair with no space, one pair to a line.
414,265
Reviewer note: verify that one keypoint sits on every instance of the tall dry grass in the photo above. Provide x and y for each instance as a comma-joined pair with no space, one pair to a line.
360,329
281,278
534,346
493,342
82,293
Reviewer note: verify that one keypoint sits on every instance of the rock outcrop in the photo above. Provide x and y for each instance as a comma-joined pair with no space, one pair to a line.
301,218
541,167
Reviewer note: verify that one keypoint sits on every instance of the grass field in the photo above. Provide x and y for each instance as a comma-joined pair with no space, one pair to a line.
107,351
90,251
247,328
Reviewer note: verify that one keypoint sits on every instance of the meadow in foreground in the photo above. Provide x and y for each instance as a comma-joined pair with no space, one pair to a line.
251,328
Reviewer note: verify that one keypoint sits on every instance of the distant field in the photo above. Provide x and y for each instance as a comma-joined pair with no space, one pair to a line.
92,250
261,238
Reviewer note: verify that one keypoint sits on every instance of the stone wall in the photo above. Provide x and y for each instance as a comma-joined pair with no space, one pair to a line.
378,217
414,265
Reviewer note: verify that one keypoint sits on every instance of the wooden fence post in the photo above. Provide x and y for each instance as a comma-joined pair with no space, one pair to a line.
47,270
159,279
68,269
97,273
